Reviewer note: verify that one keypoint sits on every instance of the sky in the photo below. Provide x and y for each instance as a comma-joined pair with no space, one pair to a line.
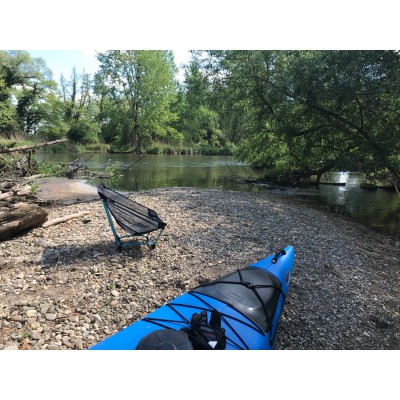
62,61
209,24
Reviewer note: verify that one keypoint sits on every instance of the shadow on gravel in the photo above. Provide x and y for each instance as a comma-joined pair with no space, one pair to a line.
76,256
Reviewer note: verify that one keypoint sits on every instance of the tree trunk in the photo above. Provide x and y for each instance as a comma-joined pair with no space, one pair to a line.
33,146
19,218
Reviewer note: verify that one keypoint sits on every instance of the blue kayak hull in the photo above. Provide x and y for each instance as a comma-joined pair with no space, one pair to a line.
242,330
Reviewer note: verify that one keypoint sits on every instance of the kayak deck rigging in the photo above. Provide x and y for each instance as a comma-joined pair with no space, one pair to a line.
244,307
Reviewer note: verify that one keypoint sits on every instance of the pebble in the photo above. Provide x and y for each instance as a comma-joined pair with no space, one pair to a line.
31,313
34,335
35,325
53,346
11,347
89,290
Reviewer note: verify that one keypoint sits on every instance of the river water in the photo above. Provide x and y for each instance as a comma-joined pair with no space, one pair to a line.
378,209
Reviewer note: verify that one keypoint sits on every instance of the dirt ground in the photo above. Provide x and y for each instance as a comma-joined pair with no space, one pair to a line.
64,190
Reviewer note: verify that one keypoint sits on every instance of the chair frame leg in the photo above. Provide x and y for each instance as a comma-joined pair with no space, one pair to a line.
148,241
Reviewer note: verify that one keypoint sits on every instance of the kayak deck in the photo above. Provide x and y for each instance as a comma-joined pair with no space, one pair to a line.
249,301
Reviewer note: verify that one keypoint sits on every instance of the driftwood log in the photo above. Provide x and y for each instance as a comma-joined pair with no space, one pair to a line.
64,219
16,190
20,217
6,195
26,178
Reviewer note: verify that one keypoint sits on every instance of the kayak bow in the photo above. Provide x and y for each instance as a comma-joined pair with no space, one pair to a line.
238,311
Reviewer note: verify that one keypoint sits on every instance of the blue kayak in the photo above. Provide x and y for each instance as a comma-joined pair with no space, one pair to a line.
239,311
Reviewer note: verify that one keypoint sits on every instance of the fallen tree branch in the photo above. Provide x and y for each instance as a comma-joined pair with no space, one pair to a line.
29,147
6,195
63,219
34,176
16,190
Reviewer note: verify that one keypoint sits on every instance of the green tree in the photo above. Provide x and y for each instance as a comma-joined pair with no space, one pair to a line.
53,125
25,84
8,122
201,123
321,109
136,90
80,108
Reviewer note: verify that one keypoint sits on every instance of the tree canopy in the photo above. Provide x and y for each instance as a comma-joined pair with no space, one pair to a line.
309,112
294,113
139,87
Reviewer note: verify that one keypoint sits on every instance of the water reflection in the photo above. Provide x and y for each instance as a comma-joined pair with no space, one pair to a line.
378,209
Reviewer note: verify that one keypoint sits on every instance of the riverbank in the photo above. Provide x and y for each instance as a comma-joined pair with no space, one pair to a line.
67,286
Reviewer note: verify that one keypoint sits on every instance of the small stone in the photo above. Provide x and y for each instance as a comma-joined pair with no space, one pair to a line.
34,335
35,325
96,317
44,308
11,347
51,317
31,313
115,293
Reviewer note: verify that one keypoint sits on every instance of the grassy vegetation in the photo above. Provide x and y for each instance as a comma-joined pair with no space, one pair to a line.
92,148
162,148
15,142
157,148
50,168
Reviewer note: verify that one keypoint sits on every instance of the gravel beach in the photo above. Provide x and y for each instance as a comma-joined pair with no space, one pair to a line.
68,287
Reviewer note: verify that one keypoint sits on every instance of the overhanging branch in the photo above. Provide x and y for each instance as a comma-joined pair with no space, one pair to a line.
30,147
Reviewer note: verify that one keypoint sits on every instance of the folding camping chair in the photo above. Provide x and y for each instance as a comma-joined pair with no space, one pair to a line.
136,219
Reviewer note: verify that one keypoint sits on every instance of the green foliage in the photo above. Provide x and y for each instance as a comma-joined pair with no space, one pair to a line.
6,165
162,148
112,167
26,89
8,123
293,113
25,85
205,148
79,109
53,125
16,141
34,188
200,123
322,109
51,169
93,148
137,89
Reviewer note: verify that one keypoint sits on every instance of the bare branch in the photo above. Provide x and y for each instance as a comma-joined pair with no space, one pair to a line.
29,147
